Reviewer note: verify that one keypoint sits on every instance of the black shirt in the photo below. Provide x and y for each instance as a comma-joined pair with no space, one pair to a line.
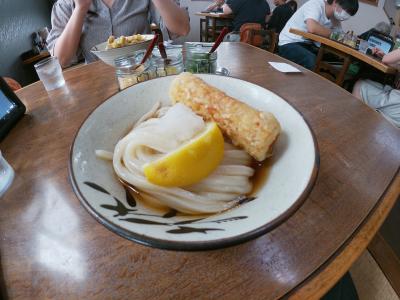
280,16
248,11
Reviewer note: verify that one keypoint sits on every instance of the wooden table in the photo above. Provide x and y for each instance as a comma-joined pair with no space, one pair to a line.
212,18
349,54
52,248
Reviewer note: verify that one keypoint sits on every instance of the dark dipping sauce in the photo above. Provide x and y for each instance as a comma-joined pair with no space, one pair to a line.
259,179
261,172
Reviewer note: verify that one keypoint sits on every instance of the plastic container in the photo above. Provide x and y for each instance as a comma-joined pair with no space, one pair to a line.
198,59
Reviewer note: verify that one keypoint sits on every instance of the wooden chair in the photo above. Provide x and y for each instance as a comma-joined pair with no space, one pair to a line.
265,39
210,28
333,72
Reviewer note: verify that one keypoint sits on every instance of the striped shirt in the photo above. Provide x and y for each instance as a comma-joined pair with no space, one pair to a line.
125,17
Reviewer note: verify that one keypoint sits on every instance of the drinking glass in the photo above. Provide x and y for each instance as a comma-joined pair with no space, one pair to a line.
50,73
6,175
363,46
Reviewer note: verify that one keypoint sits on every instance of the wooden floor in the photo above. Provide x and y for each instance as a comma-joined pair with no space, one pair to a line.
370,281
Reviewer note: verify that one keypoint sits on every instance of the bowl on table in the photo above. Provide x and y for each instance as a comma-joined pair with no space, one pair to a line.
109,55
278,191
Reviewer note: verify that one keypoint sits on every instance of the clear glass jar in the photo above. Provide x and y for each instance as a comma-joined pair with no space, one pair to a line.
199,60
6,175
397,43
171,66
129,71
335,34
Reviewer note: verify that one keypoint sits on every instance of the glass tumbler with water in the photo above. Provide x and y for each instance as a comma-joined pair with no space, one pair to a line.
6,175
50,73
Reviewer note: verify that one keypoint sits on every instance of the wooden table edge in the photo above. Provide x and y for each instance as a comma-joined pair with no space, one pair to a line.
360,56
322,280
220,16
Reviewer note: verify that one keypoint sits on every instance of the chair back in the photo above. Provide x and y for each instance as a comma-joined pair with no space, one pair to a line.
248,36
253,34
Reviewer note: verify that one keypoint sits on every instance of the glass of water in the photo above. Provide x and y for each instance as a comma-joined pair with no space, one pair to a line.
6,175
50,73
363,46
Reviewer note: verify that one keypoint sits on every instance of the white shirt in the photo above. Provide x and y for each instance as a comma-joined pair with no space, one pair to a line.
313,9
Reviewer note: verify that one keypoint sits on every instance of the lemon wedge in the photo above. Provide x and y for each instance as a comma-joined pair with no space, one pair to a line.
191,162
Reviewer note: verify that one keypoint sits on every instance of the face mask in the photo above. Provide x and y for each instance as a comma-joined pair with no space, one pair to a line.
341,16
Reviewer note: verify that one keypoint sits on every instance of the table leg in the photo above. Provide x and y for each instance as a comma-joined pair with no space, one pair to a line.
343,71
201,30
214,29
206,34
319,59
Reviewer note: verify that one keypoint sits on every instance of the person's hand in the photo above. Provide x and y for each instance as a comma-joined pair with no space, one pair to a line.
378,52
83,4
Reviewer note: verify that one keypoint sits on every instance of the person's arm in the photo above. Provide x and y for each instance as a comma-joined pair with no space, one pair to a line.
392,57
66,29
216,4
233,6
226,9
211,7
174,17
313,13
316,28
378,52
67,44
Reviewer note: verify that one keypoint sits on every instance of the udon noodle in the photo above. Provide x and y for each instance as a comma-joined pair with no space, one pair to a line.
162,130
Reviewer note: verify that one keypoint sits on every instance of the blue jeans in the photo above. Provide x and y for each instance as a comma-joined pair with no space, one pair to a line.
304,54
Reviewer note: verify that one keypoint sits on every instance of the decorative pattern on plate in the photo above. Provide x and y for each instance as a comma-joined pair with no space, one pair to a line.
122,211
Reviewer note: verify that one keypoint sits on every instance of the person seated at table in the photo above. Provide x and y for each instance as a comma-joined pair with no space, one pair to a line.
217,7
382,98
276,3
281,14
317,17
78,25
245,11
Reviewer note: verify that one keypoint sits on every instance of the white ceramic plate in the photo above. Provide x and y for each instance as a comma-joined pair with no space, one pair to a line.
291,176
109,55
